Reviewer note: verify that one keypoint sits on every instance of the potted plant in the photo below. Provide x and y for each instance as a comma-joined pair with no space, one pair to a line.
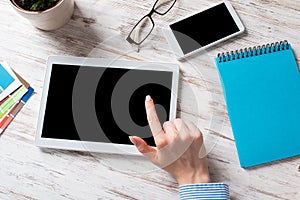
45,14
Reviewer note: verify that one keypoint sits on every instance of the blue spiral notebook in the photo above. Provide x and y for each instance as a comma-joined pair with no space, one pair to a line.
262,93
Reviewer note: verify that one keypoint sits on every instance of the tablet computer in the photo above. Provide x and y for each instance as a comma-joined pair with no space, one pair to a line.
92,104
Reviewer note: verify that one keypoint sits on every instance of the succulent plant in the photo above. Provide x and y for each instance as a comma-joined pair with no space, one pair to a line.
36,5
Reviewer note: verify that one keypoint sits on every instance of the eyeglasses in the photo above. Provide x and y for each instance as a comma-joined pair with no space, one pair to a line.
144,27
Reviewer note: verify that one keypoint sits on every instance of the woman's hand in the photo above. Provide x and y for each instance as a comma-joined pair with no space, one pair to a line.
180,149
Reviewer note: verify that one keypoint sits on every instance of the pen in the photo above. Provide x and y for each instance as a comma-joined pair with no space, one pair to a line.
15,97
14,111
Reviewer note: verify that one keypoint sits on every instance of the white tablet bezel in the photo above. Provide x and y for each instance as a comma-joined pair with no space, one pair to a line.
96,62
175,45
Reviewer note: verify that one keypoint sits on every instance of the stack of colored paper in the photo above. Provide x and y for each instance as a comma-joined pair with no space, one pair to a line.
14,93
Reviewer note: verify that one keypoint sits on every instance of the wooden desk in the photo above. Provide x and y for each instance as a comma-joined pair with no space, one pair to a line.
96,30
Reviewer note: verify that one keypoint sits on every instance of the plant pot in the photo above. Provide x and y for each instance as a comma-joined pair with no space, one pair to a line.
50,19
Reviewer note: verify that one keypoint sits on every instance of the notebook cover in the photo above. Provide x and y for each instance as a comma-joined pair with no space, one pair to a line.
262,94
9,83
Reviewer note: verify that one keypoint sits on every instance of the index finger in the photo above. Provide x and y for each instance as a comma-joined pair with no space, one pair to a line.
152,117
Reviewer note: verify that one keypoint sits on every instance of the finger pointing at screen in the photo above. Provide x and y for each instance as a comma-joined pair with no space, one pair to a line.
180,150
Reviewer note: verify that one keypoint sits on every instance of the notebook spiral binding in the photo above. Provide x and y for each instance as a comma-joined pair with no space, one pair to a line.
253,51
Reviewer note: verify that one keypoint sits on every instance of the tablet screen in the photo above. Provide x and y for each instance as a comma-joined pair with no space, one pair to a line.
99,104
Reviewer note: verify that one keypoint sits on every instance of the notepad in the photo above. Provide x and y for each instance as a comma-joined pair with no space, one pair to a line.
8,80
262,92
14,93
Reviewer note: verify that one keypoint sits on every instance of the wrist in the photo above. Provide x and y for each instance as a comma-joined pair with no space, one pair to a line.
193,178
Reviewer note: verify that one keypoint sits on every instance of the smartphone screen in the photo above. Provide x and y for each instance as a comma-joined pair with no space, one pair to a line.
204,28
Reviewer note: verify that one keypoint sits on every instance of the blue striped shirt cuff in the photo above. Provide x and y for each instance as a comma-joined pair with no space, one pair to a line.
204,191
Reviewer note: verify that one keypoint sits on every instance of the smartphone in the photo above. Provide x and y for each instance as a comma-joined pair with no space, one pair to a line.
203,29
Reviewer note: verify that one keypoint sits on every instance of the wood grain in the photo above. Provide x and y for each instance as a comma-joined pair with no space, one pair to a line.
98,29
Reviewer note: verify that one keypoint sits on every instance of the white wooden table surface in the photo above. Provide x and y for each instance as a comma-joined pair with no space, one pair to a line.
98,29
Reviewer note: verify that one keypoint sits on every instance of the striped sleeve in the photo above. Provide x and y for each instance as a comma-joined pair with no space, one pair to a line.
215,191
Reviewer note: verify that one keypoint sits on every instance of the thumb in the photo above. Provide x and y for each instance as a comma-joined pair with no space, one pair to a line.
148,151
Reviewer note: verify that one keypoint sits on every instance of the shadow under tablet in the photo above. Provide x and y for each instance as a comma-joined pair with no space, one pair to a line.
100,104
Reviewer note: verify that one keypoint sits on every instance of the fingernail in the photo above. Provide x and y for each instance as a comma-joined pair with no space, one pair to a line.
148,98
131,138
